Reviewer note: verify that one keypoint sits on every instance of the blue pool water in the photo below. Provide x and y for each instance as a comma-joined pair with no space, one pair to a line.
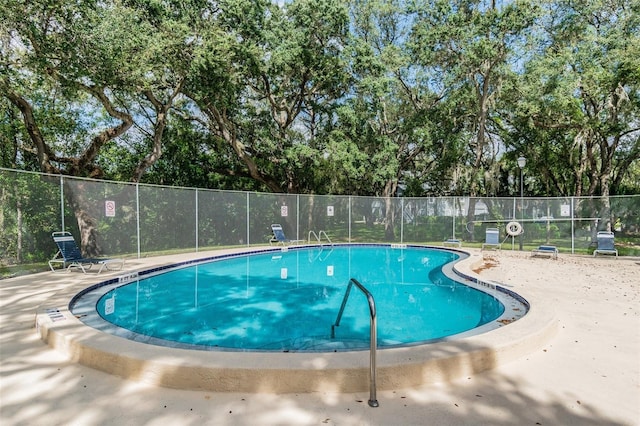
288,301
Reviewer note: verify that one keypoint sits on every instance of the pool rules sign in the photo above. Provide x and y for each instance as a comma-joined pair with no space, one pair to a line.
110,208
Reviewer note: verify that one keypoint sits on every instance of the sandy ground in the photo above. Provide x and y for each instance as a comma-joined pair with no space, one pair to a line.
588,374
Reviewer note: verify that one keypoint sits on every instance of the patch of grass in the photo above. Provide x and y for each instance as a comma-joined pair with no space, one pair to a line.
10,271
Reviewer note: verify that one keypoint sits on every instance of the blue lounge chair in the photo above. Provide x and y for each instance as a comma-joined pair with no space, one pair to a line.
69,254
492,239
279,237
605,244
550,251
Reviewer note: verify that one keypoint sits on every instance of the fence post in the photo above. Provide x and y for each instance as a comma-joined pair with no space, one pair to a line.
248,239
453,217
138,217
349,218
62,202
197,220
402,220
298,217
573,238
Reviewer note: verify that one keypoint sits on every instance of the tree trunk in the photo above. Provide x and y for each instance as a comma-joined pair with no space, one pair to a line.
162,114
471,226
389,190
311,204
18,230
87,223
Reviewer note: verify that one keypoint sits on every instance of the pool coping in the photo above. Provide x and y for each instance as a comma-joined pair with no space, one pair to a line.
293,372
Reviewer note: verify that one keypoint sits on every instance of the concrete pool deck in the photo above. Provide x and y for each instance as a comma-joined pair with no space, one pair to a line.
587,372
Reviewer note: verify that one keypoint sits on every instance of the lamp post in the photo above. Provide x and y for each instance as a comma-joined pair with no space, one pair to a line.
521,163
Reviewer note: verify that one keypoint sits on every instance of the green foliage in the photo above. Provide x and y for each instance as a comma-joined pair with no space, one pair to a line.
359,97
28,215
577,119
468,47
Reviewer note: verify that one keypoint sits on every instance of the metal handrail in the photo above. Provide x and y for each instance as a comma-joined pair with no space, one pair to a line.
318,237
321,233
373,402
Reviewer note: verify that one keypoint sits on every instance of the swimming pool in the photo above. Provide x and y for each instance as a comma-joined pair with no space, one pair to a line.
286,300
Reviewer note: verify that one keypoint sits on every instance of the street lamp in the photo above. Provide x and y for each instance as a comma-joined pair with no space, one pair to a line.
521,163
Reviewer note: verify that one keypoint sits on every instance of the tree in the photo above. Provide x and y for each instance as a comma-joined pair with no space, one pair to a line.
258,78
469,46
68,68
360,97
579,119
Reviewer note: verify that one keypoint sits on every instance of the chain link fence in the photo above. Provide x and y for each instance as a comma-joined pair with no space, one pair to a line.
137,220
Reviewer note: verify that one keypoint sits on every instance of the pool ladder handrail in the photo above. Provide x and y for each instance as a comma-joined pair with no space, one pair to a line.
373,402
318,237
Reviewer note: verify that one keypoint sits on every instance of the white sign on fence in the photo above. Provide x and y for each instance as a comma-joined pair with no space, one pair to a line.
110,208
284,211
